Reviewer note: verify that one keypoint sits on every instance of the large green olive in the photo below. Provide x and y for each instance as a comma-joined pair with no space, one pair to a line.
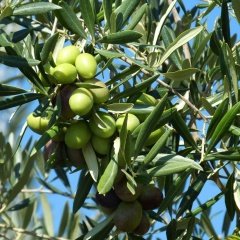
81,101
86,65
102,124
64,73
100,95
67,55
132,122
77,135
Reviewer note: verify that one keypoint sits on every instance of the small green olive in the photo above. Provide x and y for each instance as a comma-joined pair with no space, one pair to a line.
100,95
77,135
81,101
132,122
86,65
102,124
67,55
101,145
38,124
65,73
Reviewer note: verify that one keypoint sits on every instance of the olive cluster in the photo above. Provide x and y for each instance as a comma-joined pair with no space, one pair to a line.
130,211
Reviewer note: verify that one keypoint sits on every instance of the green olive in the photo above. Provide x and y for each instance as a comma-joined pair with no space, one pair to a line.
77,135
65,73
37,123
100,95
86,65
81,101
132,122
102,124
101,145
67,55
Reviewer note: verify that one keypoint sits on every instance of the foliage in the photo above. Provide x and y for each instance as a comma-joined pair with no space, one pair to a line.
155,47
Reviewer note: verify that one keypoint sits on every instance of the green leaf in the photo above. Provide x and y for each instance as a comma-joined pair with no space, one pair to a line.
121,37
17,61
7,90
123,13
107,8
47,215
101,230
35,8
223,126
180,125
69,20
88,16
220,111
48,47
157,147
109,54
19,100
166,164
225,22
134,89
223,155
181,75
119,107
22,204
229,197
64,219
192,193
91,161
149,124
107,179
136,18
236,8
85,183
6,12
236,189
179,41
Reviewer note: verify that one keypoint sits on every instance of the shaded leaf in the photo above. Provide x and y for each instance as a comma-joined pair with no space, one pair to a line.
85,183
69,20
236,8
121,37
107,8
17,61
7,90
109,54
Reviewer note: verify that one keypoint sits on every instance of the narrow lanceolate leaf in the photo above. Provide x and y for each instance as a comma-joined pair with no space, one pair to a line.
174,191
7,90
225,22
121,37
64,219
220,111
192,193
119,107
35,8
85,183
69,20
137,17
91,161
124,12
229,197
236,8
223,126
48,47
180,75
17,61
109,54
157,147
181,128
149,124
88,16
101,230
18,100
179,41
107,8
166,164
47,215
107,179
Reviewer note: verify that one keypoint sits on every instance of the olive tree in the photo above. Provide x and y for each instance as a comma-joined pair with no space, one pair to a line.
120,119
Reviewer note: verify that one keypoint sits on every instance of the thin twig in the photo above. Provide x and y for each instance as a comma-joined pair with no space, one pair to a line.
31,233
